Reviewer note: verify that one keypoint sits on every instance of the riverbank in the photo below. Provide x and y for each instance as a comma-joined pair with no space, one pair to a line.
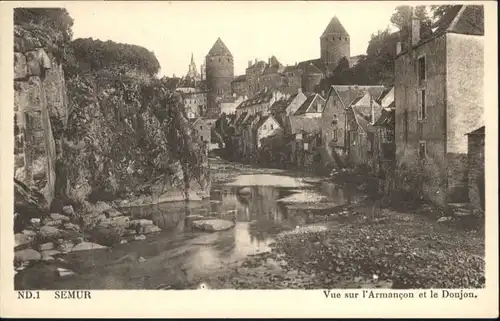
291,231
395,250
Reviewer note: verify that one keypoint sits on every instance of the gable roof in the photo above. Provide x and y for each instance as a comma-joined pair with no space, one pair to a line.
463,19
318,63
219,49
334,28
365,114
311,97
349,93
240,119
261,97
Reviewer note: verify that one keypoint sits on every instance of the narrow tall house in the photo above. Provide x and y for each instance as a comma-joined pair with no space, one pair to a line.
439,98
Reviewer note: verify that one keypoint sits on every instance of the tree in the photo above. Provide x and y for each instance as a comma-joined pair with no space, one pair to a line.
439,11
402,16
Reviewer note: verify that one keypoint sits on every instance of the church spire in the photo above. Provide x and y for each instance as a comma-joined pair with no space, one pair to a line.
192,59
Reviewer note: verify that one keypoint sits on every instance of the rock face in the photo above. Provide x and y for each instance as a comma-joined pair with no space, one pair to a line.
212,225
39,95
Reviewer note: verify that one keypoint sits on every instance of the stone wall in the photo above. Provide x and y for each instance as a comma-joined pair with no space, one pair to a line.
40,108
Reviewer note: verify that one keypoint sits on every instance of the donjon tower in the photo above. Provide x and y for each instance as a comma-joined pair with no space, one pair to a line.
335,43
219,68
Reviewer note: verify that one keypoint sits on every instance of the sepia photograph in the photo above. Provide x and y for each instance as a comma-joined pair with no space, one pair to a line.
249,146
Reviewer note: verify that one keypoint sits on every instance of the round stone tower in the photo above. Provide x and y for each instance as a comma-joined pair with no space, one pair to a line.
311,78
219,69
335,44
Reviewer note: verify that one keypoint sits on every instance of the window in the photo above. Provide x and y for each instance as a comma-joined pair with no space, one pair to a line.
201,138
264,127
422,150
272,127
306,146
405,126
345,38
335,135
335,120
340,38
422,108
319,141
201,127
421,70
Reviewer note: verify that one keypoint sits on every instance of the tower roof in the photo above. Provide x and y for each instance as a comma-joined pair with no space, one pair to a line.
219,49
334,27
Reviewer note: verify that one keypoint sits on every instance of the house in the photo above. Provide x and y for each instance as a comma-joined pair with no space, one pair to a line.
475,164
261,102
239,85
248,136
295,102
194,101
312,106
439,97
201,130
302,127
361,134
228,104
334,120
267,126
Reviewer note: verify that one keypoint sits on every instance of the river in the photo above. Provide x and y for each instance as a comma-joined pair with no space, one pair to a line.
180,258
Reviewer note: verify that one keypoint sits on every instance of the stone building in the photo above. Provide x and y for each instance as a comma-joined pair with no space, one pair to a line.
195,102
439,99
335,44
476,179
219,74
334,121
239,86
260,103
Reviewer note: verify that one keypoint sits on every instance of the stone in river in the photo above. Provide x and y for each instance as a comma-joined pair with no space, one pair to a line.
59,217
213,225
48,255
112,213
49,231
85,246
141,222
195,217
46,246
68,210
147,229
29,232
72,227
27,255
21,239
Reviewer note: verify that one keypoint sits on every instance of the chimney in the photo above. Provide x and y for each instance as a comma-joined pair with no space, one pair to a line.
249,63
414,29
256,60
323,93
299,90
398,47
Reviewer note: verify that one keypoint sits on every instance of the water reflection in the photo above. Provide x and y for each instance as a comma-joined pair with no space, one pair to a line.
179,256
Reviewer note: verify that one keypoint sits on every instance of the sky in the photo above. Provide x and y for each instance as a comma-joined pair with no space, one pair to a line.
255,29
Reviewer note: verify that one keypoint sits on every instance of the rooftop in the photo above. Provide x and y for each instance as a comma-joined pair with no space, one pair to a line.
334,28
219,49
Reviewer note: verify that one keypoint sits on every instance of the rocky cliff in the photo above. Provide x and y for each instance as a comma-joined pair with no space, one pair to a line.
96,133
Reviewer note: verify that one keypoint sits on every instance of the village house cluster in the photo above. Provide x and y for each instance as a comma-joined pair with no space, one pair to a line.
429,123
